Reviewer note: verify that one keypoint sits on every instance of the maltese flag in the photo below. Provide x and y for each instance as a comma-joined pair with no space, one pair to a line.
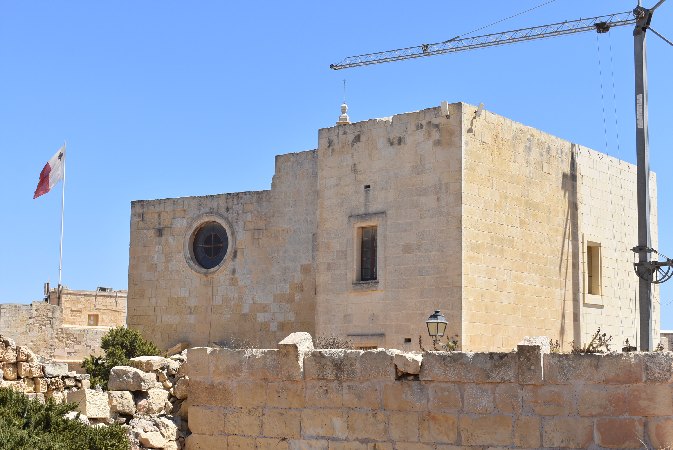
52,173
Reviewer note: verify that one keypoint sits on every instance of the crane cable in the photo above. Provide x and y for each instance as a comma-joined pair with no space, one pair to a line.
505,19
600,77
614,96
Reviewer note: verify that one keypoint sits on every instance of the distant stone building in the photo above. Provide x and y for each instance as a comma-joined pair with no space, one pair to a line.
69,329
507,230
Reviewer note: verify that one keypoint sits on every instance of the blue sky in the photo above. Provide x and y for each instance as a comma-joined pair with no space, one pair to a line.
169,99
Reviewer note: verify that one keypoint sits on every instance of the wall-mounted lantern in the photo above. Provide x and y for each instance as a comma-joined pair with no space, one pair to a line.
436,326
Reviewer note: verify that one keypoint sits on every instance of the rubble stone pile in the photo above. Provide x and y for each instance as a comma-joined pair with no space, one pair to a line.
147,397
26,372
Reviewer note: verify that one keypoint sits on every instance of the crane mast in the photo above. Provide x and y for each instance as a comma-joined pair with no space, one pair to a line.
649,271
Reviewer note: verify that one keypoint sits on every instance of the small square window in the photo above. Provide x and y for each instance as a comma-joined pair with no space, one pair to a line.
92,320
593,268
367,254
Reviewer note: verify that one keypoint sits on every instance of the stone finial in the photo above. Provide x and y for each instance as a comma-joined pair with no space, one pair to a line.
343,118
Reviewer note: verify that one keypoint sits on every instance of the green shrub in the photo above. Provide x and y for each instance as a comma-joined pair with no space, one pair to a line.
28,425
119,344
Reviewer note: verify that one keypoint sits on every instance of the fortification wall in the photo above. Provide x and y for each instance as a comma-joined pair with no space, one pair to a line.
295,397
91,308
39,326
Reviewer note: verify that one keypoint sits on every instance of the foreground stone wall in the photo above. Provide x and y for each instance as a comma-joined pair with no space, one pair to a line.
40,326
295,397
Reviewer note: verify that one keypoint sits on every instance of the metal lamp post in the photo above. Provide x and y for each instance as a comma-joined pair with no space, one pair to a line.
436,324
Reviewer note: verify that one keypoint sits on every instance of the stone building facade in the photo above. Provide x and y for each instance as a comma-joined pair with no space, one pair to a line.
507,230
69,331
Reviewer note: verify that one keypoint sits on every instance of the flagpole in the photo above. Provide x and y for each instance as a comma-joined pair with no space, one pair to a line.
60,248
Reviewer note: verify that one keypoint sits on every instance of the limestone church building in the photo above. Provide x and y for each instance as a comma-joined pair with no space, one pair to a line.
507,230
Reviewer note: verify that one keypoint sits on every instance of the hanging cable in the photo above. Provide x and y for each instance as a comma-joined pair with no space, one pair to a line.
614,97
505,19
600,76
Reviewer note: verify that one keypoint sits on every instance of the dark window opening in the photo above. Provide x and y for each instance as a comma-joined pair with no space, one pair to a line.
368,254
367,186
210,245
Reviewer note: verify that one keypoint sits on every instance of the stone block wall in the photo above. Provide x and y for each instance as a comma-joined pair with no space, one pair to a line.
532,204
91,308
264,288
40,326
300,398
401,174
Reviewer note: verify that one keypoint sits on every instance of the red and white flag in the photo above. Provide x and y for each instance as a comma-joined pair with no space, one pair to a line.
52,173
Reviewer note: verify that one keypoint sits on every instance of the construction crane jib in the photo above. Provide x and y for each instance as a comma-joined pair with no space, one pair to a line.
650,266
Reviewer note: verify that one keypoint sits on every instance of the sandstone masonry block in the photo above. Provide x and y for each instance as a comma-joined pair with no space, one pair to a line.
149,363
529,364
204,442
367,425
325,423
470,367
405,396
620,432
407,363
55,369
154,401
125,378
9,371
660,432
281,423
292,351
91,403
567,432
486,430
206,420
121,402
611,368
439,428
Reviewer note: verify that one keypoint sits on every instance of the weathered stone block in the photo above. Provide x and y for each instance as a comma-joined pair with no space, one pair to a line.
285,395
527,432
660,432
181,388
55,369
152,439
612,368
403,426
658,367
121,402
602,400
247,422
292,351
253,364
650,400
367,425
548,400
438,427
620,432
281,423
331,364
407,363
325,423
125,378
204,442
28,370
24,354
444,397
324,394
529,364
206,420
567,432
40,385
167,428
486,430
149,363
479,398
9,371
91,403
360,394
470,367
154,401
405,396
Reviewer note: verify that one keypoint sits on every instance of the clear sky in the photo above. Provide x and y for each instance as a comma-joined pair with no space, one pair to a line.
174,98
